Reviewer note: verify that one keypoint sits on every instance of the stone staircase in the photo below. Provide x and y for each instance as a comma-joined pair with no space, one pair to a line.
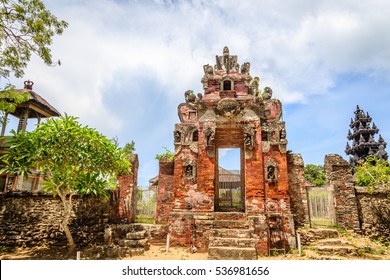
326,243
231,239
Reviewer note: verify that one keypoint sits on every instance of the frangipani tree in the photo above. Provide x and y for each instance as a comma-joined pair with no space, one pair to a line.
75,160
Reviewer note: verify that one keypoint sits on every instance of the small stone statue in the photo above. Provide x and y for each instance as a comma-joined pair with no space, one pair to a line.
271,173
267,93
245,68
254,86
189,96
177,136
247,140
208,70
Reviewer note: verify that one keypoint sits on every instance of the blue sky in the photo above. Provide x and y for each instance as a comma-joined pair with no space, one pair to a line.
126,65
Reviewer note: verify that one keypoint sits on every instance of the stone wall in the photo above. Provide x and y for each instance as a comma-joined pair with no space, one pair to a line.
339,178
297,190
374,213
28,220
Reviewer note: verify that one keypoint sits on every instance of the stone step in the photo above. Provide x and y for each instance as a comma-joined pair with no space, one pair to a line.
136,235
233,242
223,223
232,253
337,250
231,233
332,242
134,243
230,216
322,233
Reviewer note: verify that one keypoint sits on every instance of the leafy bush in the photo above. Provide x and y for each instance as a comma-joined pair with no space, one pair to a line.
167,156
374,174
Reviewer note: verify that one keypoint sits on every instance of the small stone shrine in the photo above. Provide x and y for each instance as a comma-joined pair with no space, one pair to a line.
194,198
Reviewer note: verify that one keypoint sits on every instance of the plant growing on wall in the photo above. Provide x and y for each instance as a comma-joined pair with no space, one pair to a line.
315,174
374,174
75,160
167,156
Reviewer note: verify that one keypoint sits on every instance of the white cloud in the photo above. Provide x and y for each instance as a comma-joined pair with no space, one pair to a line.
299,48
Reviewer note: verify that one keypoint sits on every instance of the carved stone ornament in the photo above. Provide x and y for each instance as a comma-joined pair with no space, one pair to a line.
226,62
271,170
189,170
194,147
228,107
266,146
209,135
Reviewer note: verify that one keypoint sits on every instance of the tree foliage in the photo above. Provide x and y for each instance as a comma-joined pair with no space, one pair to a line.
129,148
9,100
315,174
26,27
75,160
374,174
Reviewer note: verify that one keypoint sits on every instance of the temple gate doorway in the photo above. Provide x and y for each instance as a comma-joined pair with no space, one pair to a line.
229,192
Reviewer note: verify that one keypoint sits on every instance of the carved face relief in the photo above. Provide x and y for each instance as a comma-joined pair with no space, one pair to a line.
228,107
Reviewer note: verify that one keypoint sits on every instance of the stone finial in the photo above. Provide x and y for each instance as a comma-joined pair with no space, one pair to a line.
28,84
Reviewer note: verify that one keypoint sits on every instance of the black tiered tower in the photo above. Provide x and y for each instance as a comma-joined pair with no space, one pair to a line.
363,142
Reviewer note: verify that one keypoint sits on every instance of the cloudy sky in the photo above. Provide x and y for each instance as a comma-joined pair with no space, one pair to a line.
126,65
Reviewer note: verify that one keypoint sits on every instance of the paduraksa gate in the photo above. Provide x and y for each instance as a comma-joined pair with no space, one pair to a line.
230,214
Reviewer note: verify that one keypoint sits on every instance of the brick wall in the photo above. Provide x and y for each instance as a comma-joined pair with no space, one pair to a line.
339,179
165,192
296,181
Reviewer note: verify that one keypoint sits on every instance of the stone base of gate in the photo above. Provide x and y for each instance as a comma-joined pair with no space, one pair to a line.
201,230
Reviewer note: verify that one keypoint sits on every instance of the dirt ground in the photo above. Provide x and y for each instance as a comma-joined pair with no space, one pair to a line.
366,249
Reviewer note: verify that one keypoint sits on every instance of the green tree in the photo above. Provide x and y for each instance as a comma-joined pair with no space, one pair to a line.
9,100
315,174
373,174
26,27
75,160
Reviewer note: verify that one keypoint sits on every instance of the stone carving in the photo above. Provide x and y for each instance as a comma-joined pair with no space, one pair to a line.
271,170
208,69
189,169
267,93
177,136
247,140
228,107
189,96
226,62
194,147
245,68
254,86
209,136
192,100
282,134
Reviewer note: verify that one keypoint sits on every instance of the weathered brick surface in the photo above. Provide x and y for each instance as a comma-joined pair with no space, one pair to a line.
165,192
338,175
124,196
297,190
